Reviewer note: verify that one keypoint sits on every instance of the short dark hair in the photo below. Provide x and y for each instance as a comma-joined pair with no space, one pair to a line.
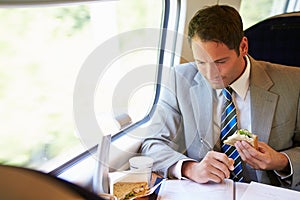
219,23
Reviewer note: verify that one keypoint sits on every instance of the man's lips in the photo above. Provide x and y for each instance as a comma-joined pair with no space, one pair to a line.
216,80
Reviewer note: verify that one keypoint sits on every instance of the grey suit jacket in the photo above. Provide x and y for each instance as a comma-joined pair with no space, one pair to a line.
182,125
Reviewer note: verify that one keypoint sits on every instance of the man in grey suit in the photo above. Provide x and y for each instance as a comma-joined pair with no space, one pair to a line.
185,128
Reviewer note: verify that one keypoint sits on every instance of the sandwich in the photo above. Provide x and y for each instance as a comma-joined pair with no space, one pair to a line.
128,190
242,135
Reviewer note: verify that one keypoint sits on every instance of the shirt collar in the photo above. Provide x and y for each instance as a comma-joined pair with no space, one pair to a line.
241,85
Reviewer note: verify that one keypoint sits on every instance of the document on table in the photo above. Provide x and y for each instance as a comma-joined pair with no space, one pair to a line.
186,189
240,189
259,191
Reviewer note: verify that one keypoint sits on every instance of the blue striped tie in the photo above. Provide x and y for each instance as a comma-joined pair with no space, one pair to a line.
228,127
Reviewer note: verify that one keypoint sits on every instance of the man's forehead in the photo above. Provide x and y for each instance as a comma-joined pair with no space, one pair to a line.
209,50
199,43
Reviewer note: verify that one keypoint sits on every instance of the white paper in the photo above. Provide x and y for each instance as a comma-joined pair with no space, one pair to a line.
186,189
259,191
240,189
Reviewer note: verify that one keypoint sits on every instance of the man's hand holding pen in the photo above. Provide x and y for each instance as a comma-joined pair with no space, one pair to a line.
215,167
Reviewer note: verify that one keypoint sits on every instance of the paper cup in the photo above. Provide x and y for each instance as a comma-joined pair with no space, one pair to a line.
142,165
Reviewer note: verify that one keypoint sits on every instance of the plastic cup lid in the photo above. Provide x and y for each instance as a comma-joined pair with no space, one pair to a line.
141,161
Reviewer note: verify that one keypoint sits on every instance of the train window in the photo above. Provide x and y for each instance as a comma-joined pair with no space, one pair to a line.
253,13
42,50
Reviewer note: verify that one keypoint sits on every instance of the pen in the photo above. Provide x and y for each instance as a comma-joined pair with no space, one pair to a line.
206,144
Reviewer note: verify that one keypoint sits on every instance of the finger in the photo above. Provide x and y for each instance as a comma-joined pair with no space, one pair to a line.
219,169
239,147
210,172
228,162
248,150
243,152
249,154
262,147
215,178
221,162
231,164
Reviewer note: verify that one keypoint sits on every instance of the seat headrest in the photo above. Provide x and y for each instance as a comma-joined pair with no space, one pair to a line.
276,39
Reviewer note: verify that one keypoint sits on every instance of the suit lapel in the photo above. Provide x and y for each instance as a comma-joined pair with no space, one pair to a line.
202,104
263,105
263,102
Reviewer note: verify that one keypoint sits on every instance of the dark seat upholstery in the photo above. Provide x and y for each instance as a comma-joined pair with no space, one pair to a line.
276,39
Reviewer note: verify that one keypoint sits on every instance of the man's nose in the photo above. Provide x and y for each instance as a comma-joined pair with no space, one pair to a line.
213,71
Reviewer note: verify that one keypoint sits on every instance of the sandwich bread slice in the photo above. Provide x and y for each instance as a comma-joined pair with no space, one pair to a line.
242,134
127,190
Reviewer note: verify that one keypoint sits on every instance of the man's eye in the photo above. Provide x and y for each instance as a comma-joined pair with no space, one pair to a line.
220,62
200,63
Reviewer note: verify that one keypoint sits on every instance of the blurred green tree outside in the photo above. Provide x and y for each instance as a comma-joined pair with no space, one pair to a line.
34,115
41,52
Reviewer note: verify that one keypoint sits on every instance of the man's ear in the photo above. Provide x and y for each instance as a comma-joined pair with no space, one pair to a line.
244,46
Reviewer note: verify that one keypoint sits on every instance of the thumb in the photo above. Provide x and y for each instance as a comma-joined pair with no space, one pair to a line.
231,164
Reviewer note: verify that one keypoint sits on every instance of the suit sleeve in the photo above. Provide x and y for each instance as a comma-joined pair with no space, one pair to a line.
165,143
294,153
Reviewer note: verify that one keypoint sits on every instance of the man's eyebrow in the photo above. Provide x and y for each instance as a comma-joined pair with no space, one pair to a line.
221,59
198,60
218,60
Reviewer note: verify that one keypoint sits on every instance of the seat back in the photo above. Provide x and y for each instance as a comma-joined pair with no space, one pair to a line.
276,39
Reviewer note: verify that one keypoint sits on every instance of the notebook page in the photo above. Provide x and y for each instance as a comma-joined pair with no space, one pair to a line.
240,189
259,191
186,189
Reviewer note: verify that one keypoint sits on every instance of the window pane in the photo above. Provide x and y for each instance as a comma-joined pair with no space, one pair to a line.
253,13
42,50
